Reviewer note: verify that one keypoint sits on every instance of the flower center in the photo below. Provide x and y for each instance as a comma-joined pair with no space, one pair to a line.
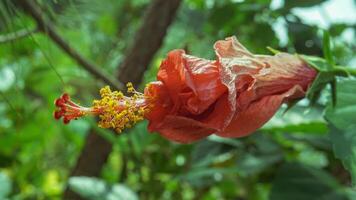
114,109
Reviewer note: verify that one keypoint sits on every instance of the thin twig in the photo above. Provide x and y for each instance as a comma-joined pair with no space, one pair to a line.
46,27
10,37
10,105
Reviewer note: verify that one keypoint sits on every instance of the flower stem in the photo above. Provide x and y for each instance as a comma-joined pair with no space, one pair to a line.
350,71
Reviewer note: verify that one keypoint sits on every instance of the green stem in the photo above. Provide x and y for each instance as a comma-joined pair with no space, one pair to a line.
349,70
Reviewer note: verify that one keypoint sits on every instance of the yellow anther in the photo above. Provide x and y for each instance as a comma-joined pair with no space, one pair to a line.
129,84
120,112
130,88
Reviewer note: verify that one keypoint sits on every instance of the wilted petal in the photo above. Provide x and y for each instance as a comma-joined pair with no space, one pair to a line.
171,74
283,72
258,113
232,96
190,89
237,69
193,83
202,77
183,129
161,106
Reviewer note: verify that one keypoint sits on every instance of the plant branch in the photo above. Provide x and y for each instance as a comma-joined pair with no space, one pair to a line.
149,37
10,37
46,27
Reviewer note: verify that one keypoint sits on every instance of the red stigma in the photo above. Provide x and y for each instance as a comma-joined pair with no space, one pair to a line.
57,114
59,102
67,109
66,120
65,97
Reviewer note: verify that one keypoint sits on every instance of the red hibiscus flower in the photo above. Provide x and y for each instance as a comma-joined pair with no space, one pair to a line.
193,98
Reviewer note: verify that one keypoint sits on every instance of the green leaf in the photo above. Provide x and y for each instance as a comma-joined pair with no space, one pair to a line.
327,48
228,141
96,189
289,4
343,116
309,128
343,123
7,78
318,63
322,65
343,144
250,164
205,176
308,123
333,91
5,186
295,181
119,192
290,105
320,82
325,76
338,28
272,50
87,187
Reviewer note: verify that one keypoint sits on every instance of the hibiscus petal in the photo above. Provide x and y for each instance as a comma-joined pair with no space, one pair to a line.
257,114
284,71
231,47
183,130
160,108
237,67
203,78
171,73
232,96
192,82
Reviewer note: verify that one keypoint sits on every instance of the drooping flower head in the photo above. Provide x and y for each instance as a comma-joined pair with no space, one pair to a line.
193,98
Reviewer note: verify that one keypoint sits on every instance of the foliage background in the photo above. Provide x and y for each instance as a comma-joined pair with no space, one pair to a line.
299,155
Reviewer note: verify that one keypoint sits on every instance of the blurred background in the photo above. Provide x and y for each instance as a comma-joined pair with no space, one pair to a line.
48,47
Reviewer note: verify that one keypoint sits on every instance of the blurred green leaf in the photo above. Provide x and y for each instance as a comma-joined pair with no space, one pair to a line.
322,65
250,164
312,157
343,120
7,78
272,50
5,186
320,82
300,120
96,189
205,152
295,182
201,177
318,63
330,59
289,4
337,29
327,48
228,141
343,116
